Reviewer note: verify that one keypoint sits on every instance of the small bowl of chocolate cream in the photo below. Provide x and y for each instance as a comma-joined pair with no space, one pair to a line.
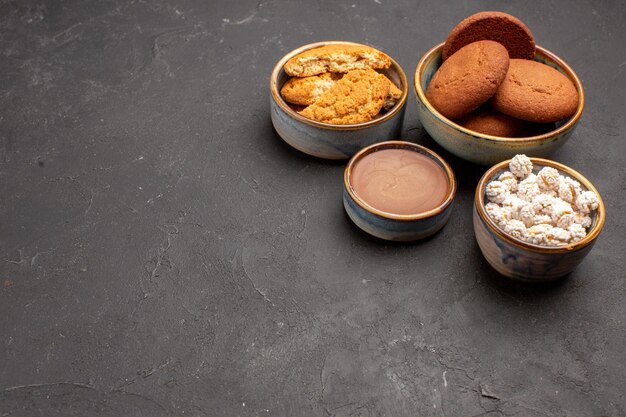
398,191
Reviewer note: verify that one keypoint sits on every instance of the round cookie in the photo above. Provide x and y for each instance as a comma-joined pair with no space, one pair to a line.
491,122
535,92
496,26
468,79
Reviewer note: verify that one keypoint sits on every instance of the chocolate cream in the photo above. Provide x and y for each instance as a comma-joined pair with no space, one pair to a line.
399,181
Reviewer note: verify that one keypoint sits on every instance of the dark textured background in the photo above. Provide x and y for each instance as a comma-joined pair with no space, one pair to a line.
163,252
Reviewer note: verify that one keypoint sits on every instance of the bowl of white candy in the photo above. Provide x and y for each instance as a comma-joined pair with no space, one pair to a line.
535,219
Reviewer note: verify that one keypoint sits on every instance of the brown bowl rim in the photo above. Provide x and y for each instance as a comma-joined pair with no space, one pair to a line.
417,85
479,202
354,126
399,144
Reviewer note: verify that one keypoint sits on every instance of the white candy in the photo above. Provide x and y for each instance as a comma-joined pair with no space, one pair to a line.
545,209
542,204
528,189
542,219
527,215
514,203
537,234
551,193
497,214
587,201
582,219
548,178
577,232
516,229
521,166
497,191
558,236
566,220
559,209
509,179
531,178
508,213
569,189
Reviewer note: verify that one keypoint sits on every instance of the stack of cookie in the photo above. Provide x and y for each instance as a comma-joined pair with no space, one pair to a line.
489,83
338,84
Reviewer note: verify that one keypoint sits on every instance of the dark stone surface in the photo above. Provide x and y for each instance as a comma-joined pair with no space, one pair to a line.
164,253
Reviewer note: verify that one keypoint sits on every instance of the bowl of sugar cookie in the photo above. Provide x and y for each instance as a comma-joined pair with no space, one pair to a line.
331,99
489,92
535,220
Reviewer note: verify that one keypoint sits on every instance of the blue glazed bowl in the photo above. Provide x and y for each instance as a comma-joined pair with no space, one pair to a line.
398,227
331,141
486,149
524,261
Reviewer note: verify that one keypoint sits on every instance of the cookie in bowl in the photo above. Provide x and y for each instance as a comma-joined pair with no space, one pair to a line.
501,27
533,109
330,99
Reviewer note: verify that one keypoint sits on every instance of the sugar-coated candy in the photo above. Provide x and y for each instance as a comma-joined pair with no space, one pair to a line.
548,178
497,191
546,208
587,201
509,179
521,166
516,229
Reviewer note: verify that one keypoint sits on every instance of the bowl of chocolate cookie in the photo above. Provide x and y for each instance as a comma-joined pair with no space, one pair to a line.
535,220
331,99
489,92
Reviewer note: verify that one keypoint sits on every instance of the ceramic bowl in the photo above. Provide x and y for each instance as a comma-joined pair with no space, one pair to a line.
486,149
331,141
391,226
524,261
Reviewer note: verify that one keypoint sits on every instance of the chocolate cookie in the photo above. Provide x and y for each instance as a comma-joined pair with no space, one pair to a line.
496,26
356,98
468,78
491,122
535,92
336,58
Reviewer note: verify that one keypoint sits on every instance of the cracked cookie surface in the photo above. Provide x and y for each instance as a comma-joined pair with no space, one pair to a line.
336,58
305,90
468,78
393,96
535,92
501,27
356,98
